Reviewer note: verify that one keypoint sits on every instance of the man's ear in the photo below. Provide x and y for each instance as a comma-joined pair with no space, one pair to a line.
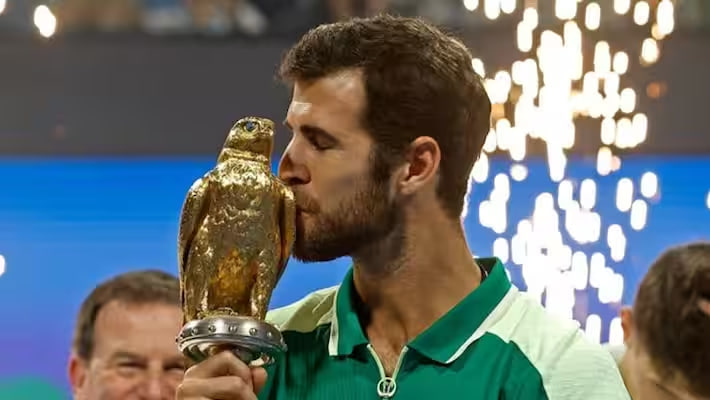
627,322
78,371
421,165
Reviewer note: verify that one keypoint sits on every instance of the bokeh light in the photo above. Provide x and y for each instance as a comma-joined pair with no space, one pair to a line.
566,74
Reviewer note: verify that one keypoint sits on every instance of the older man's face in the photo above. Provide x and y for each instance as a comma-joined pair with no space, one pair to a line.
134,356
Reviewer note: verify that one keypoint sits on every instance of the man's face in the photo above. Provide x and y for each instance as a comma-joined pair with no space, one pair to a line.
343,193
134,357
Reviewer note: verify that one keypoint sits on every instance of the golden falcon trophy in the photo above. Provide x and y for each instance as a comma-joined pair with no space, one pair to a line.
236,232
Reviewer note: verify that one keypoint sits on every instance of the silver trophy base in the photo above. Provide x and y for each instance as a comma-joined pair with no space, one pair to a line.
253,341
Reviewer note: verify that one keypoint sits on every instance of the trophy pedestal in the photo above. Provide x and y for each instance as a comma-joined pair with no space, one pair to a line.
253,341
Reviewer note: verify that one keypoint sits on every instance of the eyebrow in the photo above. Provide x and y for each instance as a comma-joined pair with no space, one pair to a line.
126,354
313,130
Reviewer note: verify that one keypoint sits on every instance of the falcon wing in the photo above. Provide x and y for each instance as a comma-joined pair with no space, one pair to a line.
194,210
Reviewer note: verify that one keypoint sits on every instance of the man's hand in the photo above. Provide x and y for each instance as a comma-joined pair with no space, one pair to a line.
221,377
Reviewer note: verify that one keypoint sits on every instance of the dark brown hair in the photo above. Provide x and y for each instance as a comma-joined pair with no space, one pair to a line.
669,321
137,287
418,80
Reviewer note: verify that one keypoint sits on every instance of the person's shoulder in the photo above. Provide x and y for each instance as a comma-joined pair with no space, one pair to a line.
306,314
569,364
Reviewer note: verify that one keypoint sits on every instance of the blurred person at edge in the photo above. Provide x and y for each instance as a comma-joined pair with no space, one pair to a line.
222,17
124,340
666,351
97,15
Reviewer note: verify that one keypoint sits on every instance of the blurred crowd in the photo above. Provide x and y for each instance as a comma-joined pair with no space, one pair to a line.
256,18
204,17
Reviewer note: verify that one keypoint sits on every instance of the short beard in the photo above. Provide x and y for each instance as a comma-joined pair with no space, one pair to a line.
362,221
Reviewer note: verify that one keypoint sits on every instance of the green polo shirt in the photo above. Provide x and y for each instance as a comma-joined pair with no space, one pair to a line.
496,343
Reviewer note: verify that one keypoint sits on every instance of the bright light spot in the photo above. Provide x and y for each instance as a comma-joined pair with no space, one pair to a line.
649,51
484,214
639,126
602,59
518,249
649,185
618,288
471,5
45,21
624,134
616,241
621,62
607,287
593,328
624,194
518,172
665,17
592,17
489,145
604,161
656,32
507,6
596,269
491,9
530,17
639,211
627,101
524,37
588,194
608,131
477,65
616,332
556,162
499,220
501,188
2,265
3,4
707,200
565,9
622,6
642,12
565,193
501,249
479,173
579,271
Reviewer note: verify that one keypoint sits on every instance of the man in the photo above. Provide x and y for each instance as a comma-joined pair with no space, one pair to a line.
388,117
667,336
124,342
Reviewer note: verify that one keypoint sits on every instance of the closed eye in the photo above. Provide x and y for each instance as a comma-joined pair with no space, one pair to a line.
318,137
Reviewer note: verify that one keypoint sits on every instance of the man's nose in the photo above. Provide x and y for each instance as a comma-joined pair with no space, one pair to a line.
156,386
292,170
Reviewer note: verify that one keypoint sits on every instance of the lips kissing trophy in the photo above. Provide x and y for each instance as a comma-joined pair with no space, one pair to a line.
236,232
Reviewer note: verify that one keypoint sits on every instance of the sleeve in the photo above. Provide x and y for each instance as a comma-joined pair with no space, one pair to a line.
530,387
585,372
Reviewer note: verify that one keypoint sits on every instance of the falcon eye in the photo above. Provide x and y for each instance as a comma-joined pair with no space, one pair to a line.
250,126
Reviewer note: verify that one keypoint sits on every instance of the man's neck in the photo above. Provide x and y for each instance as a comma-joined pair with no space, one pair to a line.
405,290
625,374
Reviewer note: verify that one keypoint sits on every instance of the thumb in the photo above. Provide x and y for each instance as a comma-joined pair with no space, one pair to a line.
258,378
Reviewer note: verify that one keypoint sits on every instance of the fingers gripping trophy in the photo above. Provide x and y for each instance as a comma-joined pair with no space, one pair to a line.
236,232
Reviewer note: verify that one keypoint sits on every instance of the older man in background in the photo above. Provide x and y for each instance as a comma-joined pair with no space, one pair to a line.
124,342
